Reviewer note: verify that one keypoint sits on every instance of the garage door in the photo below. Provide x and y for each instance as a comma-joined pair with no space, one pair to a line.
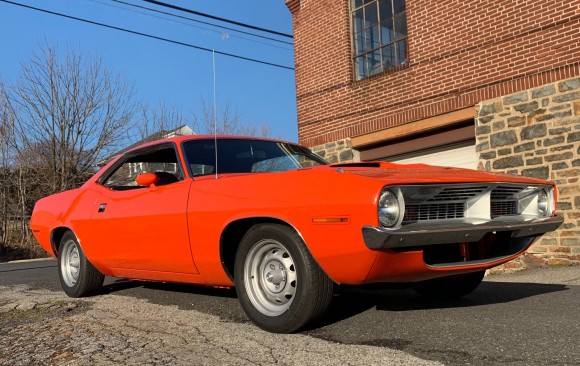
457,155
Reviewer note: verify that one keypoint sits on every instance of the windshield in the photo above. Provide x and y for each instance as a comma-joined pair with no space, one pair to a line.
246,156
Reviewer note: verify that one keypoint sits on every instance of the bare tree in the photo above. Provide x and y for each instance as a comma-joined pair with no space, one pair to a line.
158,120
70,111
5,197
226,122
62,115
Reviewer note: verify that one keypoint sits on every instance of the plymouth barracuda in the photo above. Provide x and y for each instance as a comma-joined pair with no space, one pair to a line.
284,226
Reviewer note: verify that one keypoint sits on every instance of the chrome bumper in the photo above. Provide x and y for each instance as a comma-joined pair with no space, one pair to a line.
431,234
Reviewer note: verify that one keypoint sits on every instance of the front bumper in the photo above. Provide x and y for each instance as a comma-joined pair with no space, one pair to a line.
414,235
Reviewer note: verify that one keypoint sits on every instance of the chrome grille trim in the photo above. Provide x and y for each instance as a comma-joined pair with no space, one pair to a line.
475,202
437,211
505,192
457,193
503,200
503,208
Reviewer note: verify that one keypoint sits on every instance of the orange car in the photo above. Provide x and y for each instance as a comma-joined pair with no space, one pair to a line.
284,226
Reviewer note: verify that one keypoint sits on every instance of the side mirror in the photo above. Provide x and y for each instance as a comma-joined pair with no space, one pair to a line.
147,179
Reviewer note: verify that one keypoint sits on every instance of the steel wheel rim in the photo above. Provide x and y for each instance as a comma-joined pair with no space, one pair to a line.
70,263
270,277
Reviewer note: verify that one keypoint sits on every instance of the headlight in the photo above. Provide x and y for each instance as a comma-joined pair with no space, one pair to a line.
389,209
542,203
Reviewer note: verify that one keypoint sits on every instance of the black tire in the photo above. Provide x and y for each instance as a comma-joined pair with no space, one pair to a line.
78,277
451,288
280,286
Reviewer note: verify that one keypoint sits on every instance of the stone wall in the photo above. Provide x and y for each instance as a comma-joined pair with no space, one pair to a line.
340,151
536,133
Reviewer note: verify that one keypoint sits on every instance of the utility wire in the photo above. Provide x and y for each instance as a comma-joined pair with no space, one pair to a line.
175,7
150,36
191,25
202,22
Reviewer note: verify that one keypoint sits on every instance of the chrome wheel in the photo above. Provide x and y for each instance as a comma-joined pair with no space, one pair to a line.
70,263
270,277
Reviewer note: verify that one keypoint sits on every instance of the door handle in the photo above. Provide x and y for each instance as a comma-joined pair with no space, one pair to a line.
102,207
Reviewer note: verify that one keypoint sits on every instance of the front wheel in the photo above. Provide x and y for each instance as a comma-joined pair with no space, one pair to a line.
280,286
78,277
451,288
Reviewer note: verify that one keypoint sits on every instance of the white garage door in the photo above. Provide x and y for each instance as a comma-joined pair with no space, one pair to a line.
457,155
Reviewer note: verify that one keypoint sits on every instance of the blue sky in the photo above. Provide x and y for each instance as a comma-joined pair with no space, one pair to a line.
163,72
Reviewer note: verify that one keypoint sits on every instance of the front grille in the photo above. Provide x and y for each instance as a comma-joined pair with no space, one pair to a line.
479,201
503,208
457,193
436,211
501,193
503,202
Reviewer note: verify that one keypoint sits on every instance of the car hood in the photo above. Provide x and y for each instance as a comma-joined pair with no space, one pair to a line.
422,173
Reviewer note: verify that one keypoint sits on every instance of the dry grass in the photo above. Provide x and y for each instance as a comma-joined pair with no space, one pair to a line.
20,244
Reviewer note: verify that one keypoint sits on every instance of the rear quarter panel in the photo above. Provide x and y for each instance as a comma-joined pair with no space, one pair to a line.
70,209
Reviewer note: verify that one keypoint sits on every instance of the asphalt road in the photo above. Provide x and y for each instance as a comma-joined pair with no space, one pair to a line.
527,318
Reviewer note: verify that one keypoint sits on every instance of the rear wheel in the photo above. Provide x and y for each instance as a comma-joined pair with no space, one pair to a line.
78,277
280,286
451,288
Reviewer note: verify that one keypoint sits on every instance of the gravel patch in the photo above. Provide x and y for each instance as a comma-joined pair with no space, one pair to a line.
41,327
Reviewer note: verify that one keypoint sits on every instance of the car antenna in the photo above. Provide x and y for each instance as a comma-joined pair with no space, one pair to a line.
215,147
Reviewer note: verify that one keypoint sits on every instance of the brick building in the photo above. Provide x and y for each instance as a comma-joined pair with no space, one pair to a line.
492,85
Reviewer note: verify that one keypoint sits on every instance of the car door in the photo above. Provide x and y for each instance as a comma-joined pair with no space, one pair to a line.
144,227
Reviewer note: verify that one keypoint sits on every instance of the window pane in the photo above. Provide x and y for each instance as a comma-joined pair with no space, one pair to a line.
400,25
389,57
385,9
402,52
358,21
399,6
359,67
374,63
387,33
371,15
359,43
373,40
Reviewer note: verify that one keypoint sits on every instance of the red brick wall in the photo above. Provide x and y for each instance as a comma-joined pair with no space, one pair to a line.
461,52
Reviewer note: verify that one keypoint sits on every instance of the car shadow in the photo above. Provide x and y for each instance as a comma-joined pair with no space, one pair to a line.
352,301
227,292
347,303
113,285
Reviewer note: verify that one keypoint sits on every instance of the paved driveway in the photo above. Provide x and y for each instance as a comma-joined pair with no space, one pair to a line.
528,318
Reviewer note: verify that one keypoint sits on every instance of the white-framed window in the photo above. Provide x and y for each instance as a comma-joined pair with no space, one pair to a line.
379,29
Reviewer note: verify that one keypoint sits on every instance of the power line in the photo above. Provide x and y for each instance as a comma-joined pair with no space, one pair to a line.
202,22
190,25
150,36
175,7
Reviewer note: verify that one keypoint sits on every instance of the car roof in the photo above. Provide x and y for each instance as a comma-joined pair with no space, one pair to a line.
180,139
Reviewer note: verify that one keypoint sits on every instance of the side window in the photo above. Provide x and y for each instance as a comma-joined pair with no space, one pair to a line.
163,162
200,156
